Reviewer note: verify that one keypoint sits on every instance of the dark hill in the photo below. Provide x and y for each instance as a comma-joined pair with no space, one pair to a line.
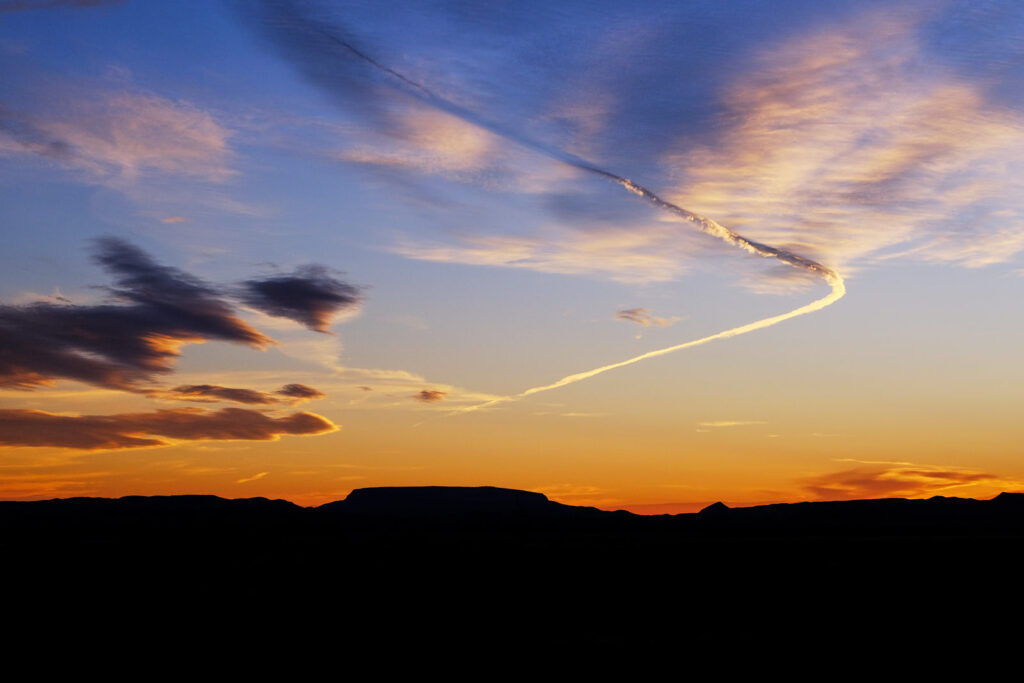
443,500
451,568
480,506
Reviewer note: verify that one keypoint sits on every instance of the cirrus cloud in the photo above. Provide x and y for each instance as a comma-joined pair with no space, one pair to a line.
116,137
855,145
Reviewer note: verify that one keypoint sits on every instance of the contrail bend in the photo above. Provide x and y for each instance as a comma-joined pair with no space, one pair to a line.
307,31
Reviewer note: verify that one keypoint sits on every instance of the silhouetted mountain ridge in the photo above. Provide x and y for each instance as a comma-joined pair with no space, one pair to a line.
449,501
478,507
389,563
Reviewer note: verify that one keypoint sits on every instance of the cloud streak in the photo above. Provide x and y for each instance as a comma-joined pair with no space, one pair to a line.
855,145
119,137
290,393
36,428
896,481
732,423
255,477
625,255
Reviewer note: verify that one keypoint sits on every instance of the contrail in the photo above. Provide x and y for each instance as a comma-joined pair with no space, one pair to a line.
308,32
833,278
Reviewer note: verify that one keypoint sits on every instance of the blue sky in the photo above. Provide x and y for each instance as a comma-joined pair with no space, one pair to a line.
417,152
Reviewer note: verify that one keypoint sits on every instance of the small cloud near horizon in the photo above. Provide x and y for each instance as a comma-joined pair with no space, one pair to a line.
903,481
430,395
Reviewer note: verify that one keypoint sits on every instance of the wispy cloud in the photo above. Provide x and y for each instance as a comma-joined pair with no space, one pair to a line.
644,318
855,141
291,393
899,480
255,477
577,494
430,141
119,136
49,483
632,254
731,423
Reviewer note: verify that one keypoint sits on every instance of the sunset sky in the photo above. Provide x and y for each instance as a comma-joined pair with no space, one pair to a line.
287,249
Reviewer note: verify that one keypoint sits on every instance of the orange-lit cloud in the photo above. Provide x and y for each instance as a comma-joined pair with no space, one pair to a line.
255,477
894,481
290,393
300,392
577,494
136,430
732,423
50,483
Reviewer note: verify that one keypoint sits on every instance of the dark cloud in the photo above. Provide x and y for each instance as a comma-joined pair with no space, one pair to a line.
891,482
289,393
636,315
135,430
300,391
310,296
364,387
21,5
119,345
214,392
430,395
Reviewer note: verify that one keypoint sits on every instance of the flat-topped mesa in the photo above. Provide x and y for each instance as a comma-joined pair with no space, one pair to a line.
443,500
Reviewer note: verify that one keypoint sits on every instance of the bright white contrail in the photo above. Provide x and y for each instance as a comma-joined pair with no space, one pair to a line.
833,278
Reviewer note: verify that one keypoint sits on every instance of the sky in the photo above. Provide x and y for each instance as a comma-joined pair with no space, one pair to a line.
640,256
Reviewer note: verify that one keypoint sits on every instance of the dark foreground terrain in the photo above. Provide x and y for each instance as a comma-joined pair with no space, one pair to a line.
444,567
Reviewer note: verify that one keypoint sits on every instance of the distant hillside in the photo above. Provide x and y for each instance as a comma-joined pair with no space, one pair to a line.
449,568
480,507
